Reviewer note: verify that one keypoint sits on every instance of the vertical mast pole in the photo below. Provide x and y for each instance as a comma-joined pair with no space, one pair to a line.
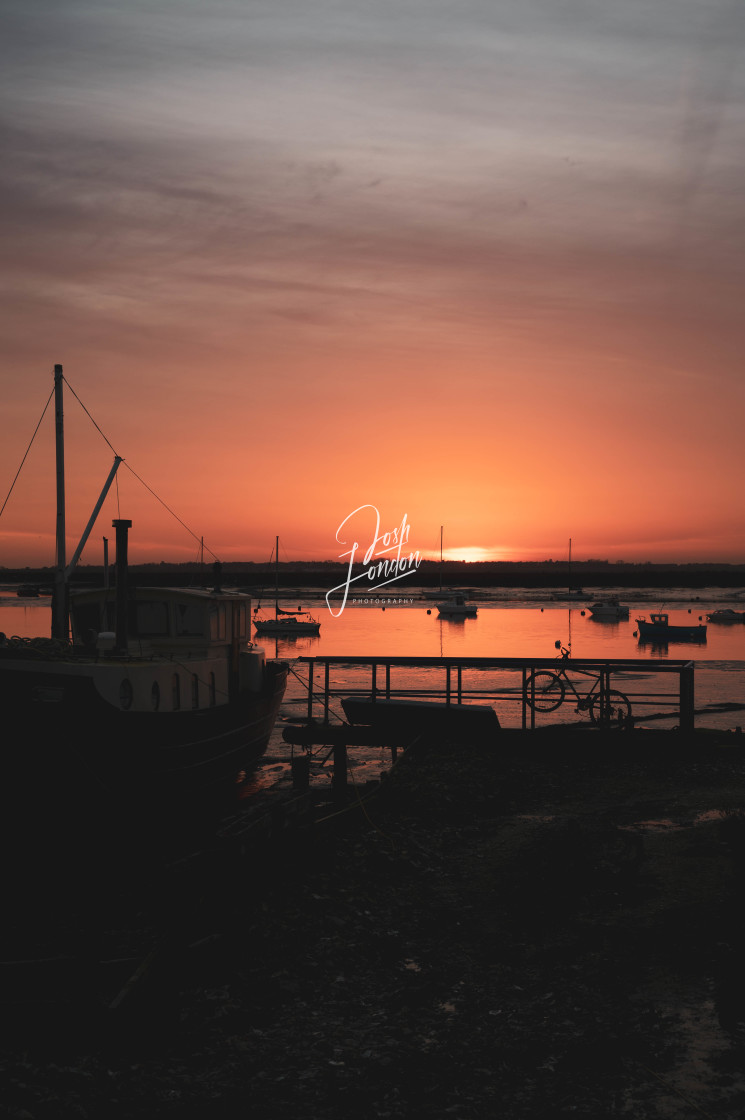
276,578
60,603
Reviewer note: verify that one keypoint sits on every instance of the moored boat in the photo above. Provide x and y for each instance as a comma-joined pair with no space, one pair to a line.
28,591
611,609
286,622
658,627
155,693
726,614
457,606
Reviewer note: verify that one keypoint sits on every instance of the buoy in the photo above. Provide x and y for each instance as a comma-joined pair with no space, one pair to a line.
429,611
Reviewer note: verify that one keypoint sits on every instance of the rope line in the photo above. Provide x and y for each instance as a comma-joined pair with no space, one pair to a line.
140,480
23,460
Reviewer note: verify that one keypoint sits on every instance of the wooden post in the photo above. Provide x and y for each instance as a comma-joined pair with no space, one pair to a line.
300,767
687,710
310,690
60,599
326,695
339,779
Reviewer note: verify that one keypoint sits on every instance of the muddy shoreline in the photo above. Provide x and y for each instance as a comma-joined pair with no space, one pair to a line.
521,933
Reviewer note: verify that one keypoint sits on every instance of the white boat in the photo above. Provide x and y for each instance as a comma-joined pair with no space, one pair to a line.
456,603
608,609
156,692
286,622
457,606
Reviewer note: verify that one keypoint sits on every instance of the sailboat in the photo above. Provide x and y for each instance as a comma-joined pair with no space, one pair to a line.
573,592
284,622
153,692
457,606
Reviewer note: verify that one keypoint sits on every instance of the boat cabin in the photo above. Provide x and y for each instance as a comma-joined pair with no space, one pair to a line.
161,618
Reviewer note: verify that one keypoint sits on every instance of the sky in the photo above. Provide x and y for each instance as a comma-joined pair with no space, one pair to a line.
476,263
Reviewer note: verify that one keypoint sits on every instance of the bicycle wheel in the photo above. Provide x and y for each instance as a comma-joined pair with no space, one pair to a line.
549,691
614,713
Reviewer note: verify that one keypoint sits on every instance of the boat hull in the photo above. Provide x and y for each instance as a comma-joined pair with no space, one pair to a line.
70,730
269,626
421,717
672,633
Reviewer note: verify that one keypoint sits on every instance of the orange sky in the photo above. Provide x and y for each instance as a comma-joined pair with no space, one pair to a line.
480,267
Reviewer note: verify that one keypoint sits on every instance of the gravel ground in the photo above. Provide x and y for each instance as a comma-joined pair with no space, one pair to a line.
522,931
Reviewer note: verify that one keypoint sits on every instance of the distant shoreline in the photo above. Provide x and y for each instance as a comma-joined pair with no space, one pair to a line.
494,574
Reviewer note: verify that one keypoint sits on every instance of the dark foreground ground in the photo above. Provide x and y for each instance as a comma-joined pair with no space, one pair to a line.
514,932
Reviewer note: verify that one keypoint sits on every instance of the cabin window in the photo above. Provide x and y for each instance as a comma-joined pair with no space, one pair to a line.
125,694
151,619
194,691
155,696
213,691
176,692
189,620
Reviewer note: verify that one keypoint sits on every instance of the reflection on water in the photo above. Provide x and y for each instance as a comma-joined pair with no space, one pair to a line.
511,626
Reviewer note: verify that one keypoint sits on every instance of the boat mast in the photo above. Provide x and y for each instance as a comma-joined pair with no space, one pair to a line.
441,559
60,600
276,578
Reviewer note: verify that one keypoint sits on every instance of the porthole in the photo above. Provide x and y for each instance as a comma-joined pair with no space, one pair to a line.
125,694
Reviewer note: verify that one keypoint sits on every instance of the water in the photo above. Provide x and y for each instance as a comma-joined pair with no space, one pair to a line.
515,623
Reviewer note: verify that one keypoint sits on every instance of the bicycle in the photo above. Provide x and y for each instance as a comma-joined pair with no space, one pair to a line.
546,689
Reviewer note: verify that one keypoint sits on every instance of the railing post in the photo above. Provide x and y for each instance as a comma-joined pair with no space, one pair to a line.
460,684
326,694
447,684
524,698
387,680
310,689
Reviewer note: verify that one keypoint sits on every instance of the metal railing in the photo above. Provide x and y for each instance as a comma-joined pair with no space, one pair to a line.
454,689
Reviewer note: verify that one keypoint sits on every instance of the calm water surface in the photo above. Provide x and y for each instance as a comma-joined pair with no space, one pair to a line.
513,624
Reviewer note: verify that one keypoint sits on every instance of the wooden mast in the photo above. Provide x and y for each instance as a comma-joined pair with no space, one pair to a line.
276,578
60,603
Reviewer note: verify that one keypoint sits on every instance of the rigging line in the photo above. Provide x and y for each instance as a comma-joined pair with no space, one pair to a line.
23,460
126,464
93,422
168,508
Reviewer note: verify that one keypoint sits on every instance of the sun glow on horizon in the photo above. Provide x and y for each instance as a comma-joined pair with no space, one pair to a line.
473,554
